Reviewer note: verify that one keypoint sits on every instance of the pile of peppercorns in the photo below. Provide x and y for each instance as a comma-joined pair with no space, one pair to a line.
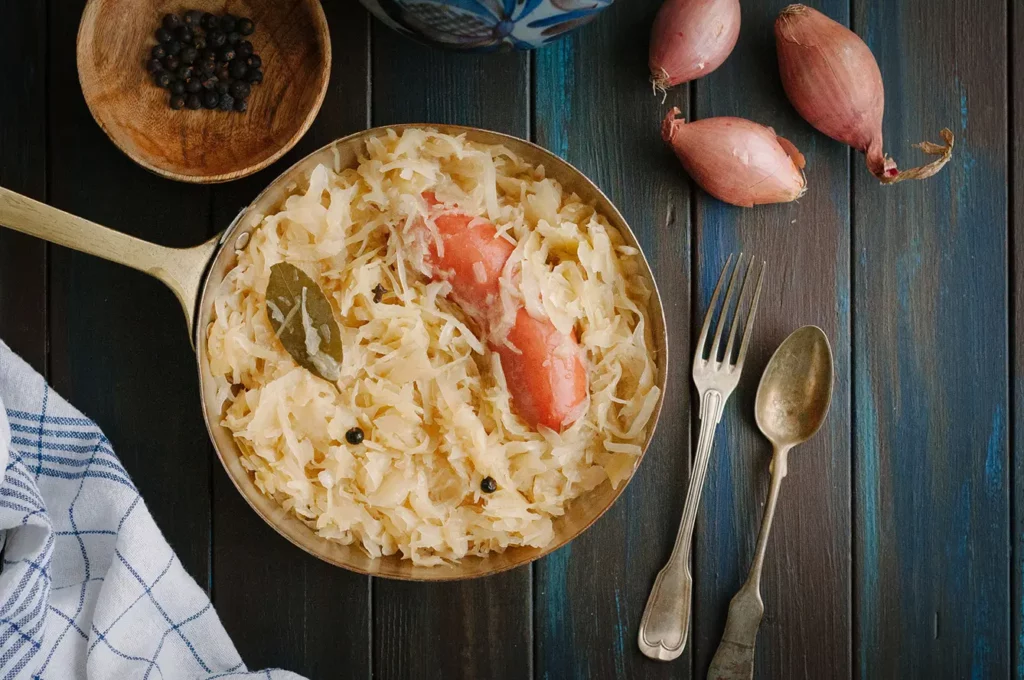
204,61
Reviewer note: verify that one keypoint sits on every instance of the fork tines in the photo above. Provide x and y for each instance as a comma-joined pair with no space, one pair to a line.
751,294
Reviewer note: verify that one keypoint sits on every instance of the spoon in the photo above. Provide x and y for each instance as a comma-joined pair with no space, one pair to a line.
792,401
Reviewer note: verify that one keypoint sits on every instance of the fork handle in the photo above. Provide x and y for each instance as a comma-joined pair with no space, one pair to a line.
666,621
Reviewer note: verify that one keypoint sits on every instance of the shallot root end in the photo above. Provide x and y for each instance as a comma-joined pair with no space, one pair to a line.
944,152
660,84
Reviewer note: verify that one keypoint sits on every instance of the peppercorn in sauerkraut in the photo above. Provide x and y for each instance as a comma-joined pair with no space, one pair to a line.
417,377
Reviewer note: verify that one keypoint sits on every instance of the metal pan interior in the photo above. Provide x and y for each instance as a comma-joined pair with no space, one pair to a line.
581,513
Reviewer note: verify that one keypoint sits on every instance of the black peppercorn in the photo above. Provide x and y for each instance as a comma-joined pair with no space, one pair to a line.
178,102
210,22
194,18
209,82
228,23
173,48
223,87
254,76
238,69
223,73
209,54
163,35
199,43
227,54
244,49
163,79
488,485
240,89
234,37
193,102
241,105
184,34
245,26
216,38
210,99
178,87
184,72
193,86
171,21
154,66
254,61
189,54
171,62
378,293
207,68
227,103
354,436
158,52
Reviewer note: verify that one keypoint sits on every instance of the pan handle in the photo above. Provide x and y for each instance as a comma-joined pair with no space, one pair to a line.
181,269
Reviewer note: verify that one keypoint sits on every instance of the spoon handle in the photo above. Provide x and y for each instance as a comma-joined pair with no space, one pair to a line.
666,621
734,658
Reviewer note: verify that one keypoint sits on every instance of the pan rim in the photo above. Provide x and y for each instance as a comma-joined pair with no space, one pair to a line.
445,572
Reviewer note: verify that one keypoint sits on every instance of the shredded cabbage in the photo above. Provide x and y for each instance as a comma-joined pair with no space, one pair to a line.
429,396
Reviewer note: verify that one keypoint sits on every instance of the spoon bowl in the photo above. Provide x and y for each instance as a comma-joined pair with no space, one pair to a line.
796,388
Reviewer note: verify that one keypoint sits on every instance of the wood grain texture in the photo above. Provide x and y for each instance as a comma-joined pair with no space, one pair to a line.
203,146
806,579
23,169
930,382
309,616
481,628
120,351
1016,313
594,107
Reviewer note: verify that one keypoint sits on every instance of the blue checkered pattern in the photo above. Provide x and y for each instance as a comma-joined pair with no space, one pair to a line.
89,588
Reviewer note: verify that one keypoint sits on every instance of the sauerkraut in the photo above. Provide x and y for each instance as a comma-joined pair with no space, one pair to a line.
416,376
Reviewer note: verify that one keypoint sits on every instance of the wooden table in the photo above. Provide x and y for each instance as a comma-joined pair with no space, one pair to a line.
897,551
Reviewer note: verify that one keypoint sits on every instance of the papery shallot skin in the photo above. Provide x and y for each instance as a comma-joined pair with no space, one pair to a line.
833,81
736,160
691,38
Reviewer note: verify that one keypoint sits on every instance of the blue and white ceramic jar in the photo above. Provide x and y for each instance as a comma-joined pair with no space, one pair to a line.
483,25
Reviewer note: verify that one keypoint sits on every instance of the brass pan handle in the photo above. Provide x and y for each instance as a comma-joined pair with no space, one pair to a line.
181,269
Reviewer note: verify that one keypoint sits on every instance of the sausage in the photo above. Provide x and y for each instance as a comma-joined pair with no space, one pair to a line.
546,377
544,372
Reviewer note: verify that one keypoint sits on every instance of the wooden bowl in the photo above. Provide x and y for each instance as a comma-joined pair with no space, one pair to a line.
204,146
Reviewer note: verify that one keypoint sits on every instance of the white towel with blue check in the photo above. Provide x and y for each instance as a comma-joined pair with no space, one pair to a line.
89,588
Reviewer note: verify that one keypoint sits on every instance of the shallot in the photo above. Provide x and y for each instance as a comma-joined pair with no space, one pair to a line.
691,38
736,160
833,81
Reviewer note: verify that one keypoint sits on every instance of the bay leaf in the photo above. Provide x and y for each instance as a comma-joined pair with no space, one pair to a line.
303,320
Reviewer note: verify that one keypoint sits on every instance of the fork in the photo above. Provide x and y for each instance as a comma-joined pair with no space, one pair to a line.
666,621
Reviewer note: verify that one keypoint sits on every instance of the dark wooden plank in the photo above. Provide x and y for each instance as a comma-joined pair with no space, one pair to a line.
595,107
23,169
309,616
1016,74
119,349
482,628
930,372
806,578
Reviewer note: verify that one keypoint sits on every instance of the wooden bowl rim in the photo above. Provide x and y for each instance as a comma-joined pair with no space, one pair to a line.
323,36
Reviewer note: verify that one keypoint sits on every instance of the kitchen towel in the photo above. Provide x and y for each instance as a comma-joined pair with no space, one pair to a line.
89,588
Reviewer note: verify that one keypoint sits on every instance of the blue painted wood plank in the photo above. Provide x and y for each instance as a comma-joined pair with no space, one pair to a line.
930,330
481,628
23,169
316,620
806,581
1017,340
594,107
